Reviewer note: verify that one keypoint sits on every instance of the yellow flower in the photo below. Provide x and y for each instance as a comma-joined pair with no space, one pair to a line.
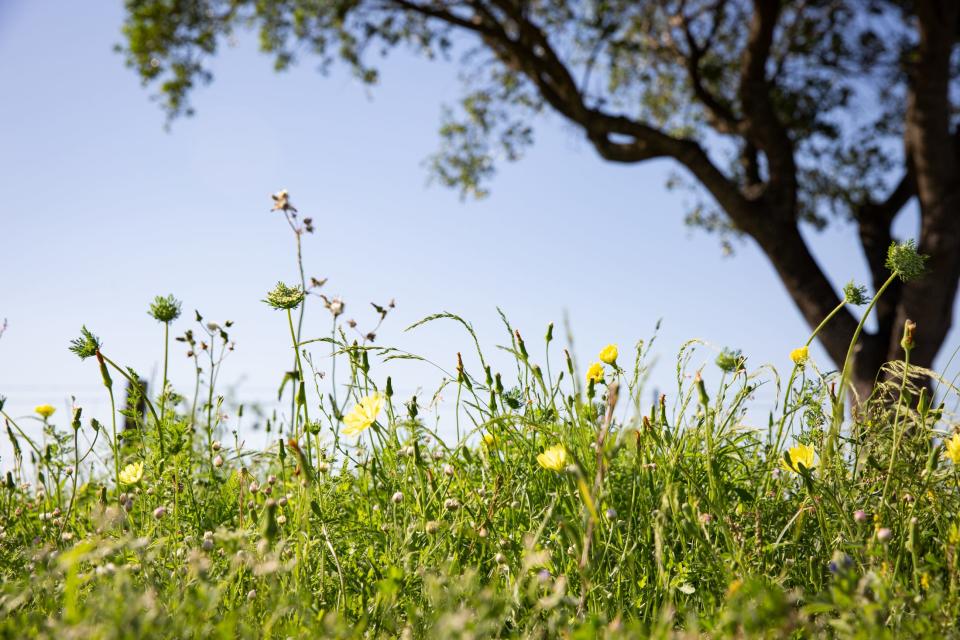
45,410
554,458
953,449
132,473
595,373
489,439
363,414
802,454
609,354
800,355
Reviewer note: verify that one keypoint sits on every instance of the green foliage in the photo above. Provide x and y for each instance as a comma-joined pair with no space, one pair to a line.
678,519
86,346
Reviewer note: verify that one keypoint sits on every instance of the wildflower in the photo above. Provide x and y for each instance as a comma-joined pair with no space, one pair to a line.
218,461
953,448
860,515
489,440
554,458
281,202
451,504
883,534
595,373
609,354
432,527
397,498
611,513
132,473
802,454
448,470
165,309
45,410
800,355
207,544
335,306
159,512
284,297
363,414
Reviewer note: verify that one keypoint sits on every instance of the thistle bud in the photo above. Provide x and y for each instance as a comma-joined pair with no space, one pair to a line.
520,345
907,341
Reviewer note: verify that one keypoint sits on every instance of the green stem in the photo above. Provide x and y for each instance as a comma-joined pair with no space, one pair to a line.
166,357
838,408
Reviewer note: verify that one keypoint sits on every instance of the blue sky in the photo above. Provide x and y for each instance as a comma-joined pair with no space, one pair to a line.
101,209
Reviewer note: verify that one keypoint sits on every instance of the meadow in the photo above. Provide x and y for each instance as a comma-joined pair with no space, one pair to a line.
566,504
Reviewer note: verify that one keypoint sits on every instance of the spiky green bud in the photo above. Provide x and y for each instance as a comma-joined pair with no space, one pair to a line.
730,360
855,294
904,261
165,309
86,346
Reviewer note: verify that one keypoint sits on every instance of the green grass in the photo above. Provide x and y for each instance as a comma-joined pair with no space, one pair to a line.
670,518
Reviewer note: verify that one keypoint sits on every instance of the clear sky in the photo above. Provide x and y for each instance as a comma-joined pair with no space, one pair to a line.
101,209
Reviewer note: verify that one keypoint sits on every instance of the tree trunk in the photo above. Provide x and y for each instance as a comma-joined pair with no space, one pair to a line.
932,150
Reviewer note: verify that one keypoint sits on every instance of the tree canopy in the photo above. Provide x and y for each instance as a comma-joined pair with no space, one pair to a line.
781,113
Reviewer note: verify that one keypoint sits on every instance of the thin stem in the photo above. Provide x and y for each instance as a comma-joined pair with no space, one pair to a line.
166,357
847,362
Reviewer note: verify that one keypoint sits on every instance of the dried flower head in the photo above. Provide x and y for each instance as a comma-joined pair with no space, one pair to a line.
284,297
281,202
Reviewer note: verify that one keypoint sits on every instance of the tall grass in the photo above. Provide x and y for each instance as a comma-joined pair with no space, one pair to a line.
564,505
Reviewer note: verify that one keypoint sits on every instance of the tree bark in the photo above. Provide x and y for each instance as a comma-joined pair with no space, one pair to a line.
932,150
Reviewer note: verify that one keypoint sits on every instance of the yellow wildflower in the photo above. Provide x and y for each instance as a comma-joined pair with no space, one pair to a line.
802,454
489,439
132,473
363,414
953,449
733,587
595,373
45,410
800,355
554,458
609,354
